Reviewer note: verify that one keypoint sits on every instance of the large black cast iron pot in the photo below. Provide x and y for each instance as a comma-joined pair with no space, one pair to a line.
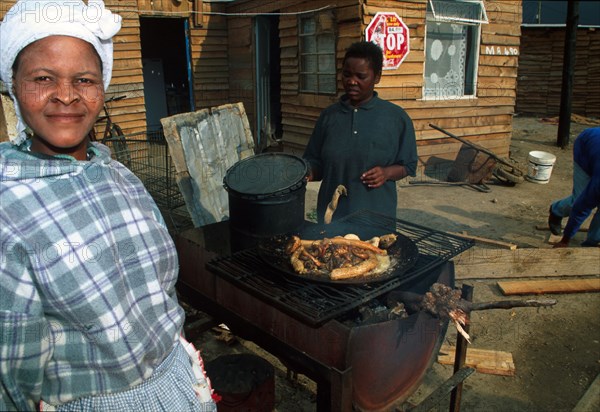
266,197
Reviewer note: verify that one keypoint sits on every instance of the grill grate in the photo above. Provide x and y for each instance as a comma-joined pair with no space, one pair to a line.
316,303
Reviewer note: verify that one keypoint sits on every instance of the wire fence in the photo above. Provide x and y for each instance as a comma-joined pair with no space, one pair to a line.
146,154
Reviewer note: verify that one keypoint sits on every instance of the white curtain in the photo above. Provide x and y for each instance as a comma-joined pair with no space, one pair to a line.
446,51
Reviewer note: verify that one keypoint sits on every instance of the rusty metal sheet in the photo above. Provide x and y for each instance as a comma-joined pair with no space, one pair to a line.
203,145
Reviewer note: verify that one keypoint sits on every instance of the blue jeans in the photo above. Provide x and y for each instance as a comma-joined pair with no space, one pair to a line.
563,207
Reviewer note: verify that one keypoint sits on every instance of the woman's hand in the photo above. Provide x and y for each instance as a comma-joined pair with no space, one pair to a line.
374,177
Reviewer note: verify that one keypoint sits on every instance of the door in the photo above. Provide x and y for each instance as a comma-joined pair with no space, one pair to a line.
155,96
268,82
166,68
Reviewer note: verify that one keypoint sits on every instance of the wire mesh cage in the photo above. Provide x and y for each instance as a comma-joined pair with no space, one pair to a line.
146,154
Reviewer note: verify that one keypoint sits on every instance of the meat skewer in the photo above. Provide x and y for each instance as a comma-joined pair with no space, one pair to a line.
446,303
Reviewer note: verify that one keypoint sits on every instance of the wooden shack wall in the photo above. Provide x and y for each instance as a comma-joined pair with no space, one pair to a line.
127,77
208,44
540,72
299,110
208,49
223,67
241,64
486,118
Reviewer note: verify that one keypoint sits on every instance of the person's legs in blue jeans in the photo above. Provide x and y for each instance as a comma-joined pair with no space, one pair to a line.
562,208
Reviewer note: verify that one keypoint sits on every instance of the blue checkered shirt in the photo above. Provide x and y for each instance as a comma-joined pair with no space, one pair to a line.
87,277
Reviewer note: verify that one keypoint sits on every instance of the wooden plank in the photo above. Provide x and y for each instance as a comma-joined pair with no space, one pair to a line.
502,61
449,103
461,109
348,13
424,149
498,28
464,121
484,361
590,401
468,131
480,263
546,227
535,287
126,80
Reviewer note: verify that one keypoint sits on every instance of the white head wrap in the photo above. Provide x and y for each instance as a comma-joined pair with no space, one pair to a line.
31,20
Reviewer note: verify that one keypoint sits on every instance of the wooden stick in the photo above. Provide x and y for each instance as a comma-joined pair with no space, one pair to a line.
509,304
505,245
413,301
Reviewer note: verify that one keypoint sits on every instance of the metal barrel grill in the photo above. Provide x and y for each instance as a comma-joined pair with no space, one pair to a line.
312,326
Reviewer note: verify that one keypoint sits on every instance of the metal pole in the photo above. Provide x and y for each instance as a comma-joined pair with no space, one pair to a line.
460,354
566,93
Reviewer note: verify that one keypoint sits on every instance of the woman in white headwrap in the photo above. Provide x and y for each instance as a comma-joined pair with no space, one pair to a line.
89,319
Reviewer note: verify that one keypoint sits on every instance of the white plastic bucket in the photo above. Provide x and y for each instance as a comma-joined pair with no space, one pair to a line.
540,166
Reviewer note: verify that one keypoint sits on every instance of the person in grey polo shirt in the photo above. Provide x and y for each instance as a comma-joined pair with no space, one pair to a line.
362,141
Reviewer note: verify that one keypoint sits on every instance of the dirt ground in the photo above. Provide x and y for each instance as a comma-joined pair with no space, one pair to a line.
556,351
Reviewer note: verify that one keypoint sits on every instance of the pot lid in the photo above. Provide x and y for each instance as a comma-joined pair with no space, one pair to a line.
265,174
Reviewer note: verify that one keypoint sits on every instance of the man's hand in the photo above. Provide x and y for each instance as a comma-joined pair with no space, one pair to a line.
374,177
564,242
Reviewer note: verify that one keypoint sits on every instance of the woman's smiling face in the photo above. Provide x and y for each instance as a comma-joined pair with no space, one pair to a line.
58,85
359,80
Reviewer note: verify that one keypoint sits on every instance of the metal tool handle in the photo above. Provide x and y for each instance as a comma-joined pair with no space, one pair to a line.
474,145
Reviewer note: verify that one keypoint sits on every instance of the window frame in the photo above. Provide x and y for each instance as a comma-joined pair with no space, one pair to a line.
473,45
324,26
442,13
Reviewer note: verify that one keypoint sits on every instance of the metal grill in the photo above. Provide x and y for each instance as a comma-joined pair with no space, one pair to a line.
316,303
147,156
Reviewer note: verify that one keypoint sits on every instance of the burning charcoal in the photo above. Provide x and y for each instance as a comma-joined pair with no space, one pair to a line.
398,312
376,312
370,315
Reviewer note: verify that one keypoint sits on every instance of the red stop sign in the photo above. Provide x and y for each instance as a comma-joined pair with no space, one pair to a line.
389,32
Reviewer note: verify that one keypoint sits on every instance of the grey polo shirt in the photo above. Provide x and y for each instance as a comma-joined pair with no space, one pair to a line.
348,141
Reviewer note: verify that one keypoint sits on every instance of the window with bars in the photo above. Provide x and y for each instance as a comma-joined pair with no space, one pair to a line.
452,47
317,54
